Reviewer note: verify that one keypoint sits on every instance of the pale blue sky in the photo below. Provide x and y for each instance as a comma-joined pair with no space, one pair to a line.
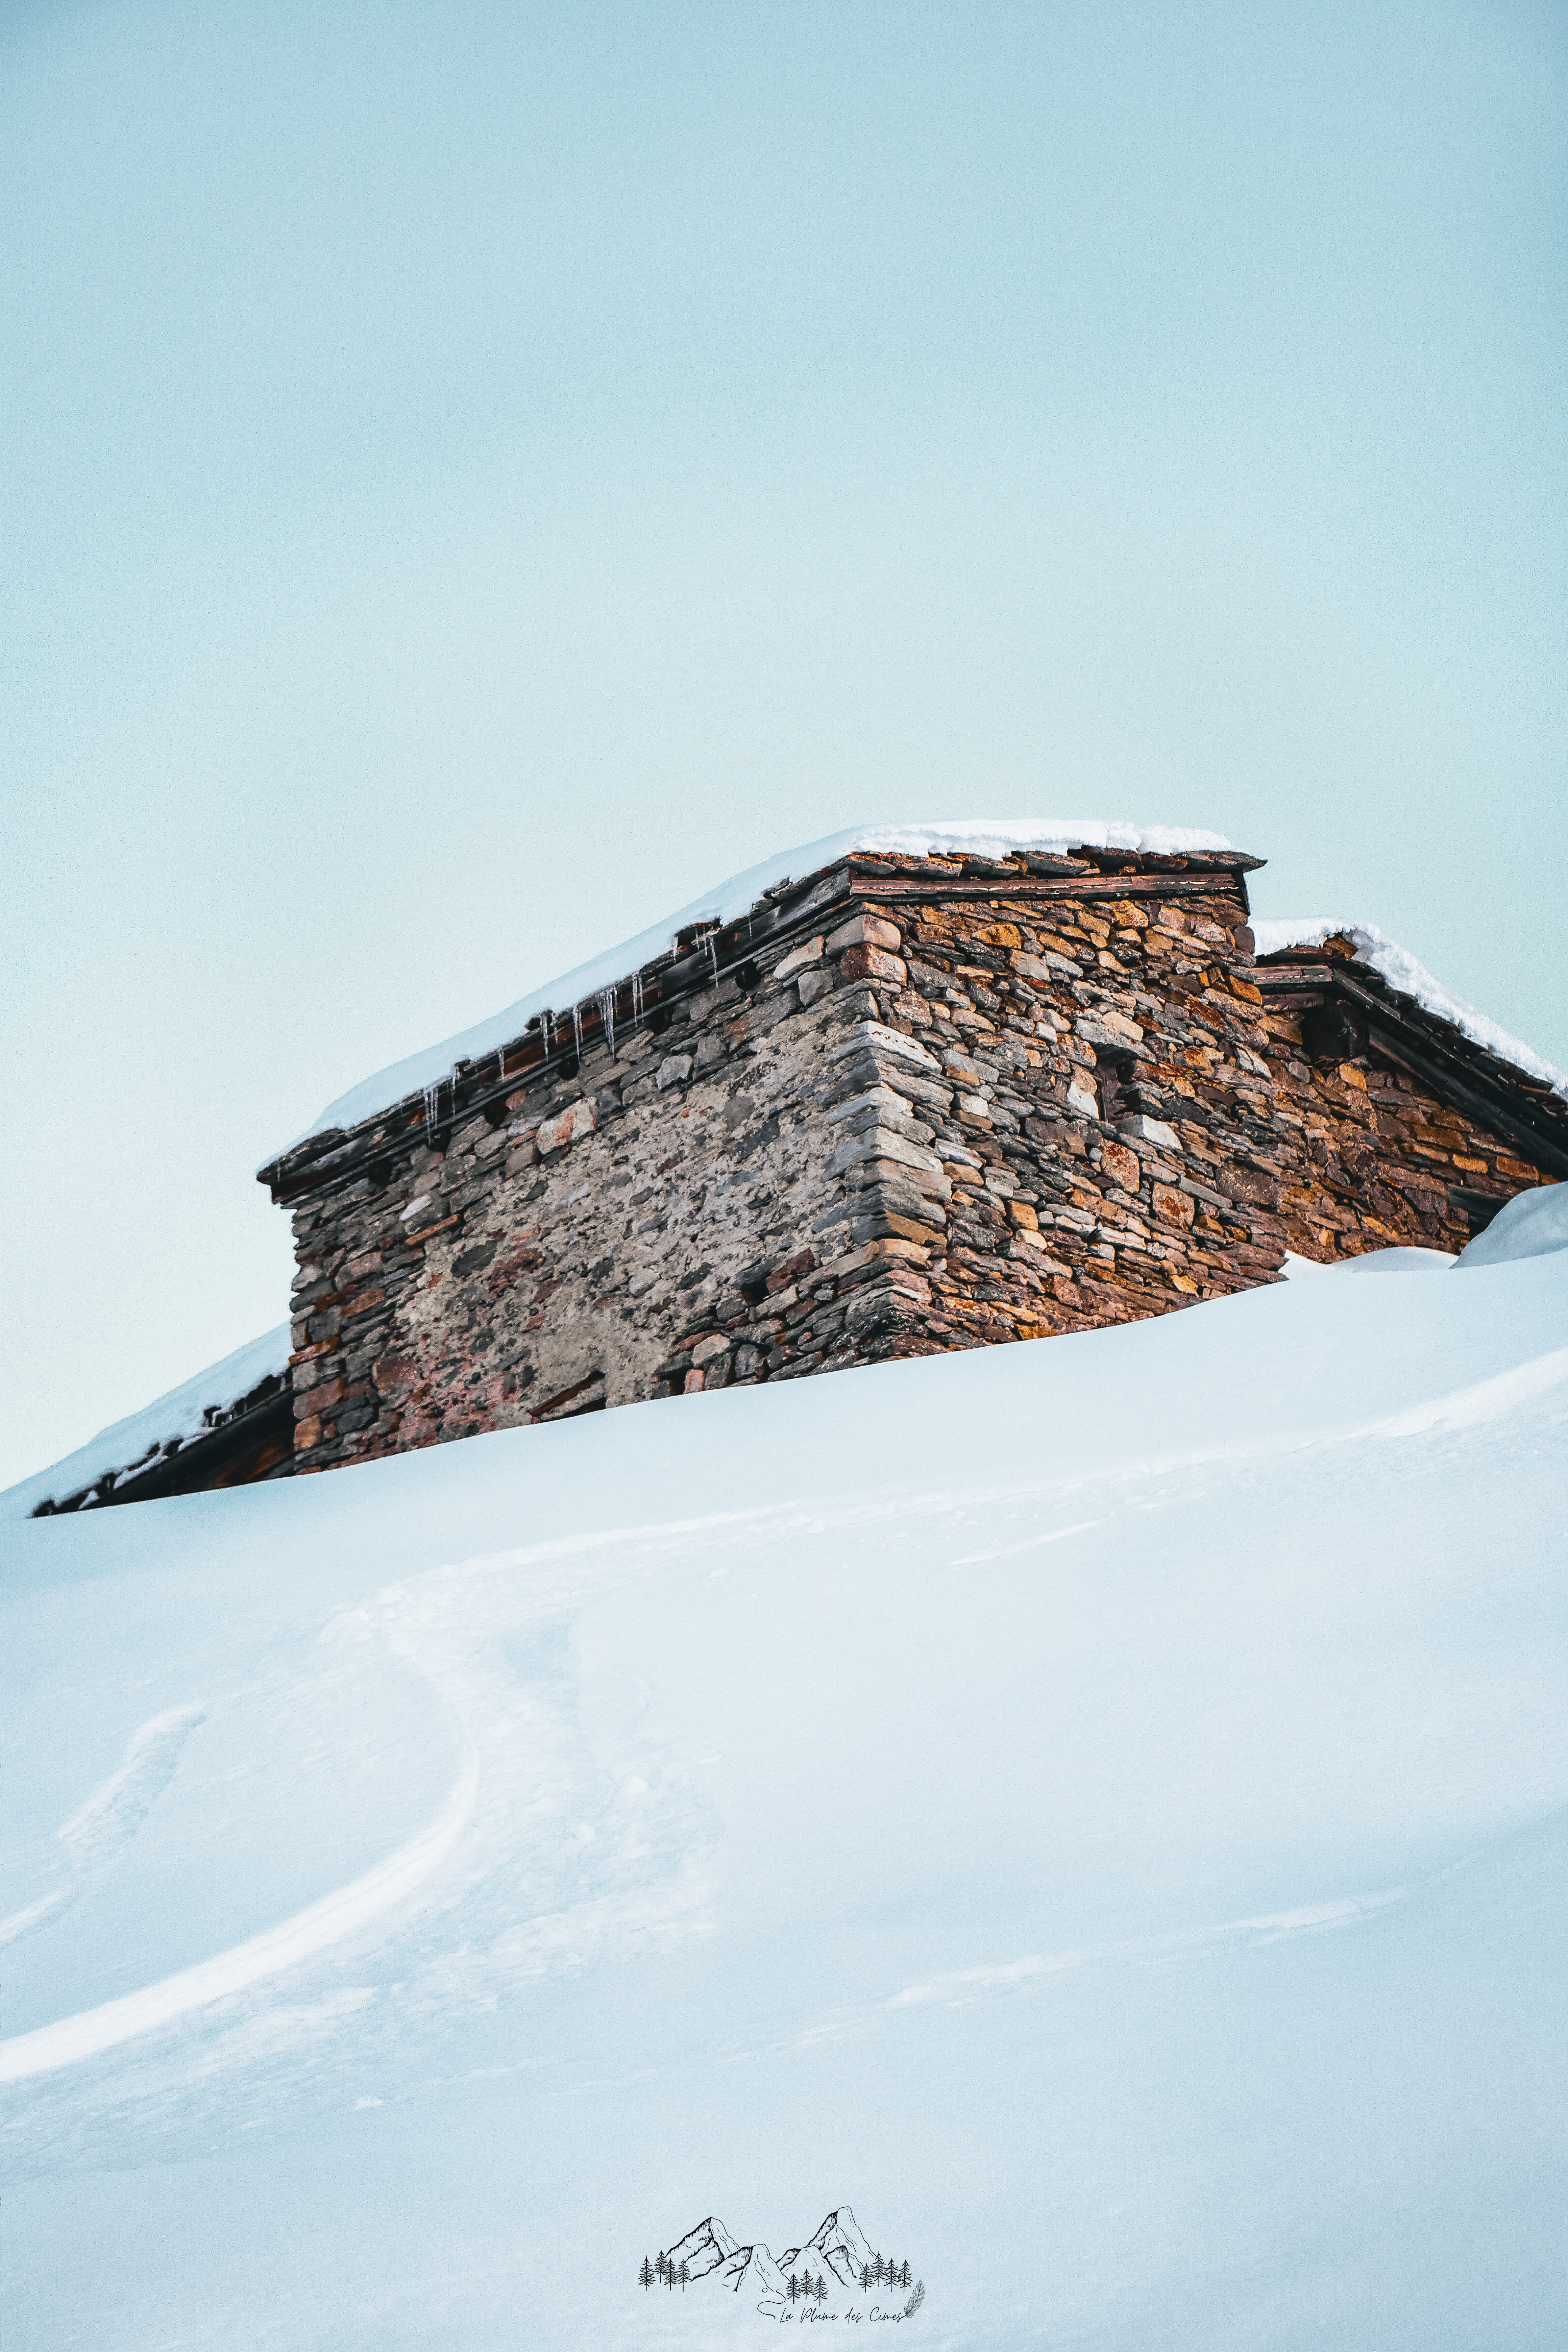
470,476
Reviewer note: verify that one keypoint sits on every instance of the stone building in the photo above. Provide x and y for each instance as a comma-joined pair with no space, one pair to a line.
913,1100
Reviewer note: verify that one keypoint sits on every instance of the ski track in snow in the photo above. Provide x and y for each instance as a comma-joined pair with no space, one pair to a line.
1035,1972
447,1623
1269,1928
101,1827
115,1811
93,2030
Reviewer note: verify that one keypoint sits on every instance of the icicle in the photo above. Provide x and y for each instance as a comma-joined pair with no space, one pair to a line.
577,1030
432,1105
713,951
607,1017
544,1033
636,996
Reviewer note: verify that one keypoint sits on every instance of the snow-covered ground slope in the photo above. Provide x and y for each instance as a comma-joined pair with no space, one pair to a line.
182,1412
1088,1818
977,836
1406,972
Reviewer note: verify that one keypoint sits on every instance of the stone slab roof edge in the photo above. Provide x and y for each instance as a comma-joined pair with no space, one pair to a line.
1276,935
950,836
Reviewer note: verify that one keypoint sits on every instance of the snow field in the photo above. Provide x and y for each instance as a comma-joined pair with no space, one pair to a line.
1094,1808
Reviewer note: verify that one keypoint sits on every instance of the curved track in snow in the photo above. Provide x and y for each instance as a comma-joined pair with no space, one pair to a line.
93,2030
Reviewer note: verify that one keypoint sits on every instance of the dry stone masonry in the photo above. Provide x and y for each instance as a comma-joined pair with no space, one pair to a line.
906,1105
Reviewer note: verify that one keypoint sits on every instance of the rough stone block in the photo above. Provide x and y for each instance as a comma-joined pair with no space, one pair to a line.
864,930
1150,1130
1121,1166
1108,1032
1176,1206
810,951
900,1184
790,1269
874,964
883,1143
879,1098
876,1036
321,1397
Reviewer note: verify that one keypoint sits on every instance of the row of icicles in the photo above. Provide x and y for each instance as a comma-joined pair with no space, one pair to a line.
549,1025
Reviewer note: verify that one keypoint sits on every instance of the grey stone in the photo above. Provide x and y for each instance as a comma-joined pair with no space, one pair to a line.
1150,1130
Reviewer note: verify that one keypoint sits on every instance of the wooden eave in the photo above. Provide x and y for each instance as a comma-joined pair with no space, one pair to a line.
211,1458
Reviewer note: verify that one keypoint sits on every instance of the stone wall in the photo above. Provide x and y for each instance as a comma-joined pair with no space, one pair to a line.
1378,1157
1130,1128
545,1265
932,1115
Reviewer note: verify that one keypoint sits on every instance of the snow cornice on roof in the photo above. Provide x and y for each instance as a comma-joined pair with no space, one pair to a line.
636,983
1394,1005
1285,935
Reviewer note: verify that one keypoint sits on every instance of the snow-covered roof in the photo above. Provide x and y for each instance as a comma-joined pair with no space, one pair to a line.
1400,969
980,837
129,1444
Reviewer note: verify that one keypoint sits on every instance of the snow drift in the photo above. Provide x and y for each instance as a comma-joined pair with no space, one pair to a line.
1086,1817
1533,1224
